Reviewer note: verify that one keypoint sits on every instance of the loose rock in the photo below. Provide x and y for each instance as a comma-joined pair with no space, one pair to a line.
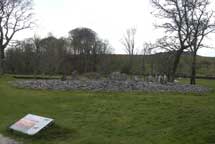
108,85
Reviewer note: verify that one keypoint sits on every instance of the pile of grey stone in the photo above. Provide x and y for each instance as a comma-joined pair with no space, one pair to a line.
115,82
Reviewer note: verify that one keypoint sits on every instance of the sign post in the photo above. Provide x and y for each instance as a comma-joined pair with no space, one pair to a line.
31,124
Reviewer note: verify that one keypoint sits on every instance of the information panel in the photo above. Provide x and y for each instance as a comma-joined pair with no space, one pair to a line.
31,124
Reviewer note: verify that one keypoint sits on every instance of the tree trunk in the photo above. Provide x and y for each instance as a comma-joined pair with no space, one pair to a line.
2,61
130,64
193,71
175,65
94,63
37,64
143,65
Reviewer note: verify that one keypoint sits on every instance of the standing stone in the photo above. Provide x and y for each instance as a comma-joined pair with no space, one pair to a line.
135,78
165,79
156,78
118,76
161,79
123,77
150,78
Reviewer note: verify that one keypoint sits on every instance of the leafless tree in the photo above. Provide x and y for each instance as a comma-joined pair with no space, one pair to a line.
146,50
36,40
176,14
128,41
15,16
188,22
203,24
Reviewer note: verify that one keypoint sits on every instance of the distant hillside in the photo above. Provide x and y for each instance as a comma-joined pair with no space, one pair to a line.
154,63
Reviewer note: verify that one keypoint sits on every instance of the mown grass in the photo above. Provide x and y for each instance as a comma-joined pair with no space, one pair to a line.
83,117
202,82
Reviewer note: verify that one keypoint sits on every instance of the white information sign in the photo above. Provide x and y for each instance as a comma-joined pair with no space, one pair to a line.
31,124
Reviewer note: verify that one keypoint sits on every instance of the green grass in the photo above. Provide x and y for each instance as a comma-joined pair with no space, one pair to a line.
83,117
202,82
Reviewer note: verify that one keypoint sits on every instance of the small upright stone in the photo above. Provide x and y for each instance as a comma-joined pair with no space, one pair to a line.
136,78
161,79
150,78
165,79
118,76
123,77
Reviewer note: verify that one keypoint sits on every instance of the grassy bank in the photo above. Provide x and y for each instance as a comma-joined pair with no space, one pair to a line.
112,118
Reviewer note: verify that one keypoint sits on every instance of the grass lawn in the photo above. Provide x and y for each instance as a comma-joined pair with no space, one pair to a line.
112,118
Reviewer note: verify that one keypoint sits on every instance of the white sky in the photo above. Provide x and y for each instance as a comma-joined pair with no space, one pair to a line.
109,18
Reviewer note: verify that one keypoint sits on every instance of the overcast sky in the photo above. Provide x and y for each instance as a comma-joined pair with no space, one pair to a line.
109,18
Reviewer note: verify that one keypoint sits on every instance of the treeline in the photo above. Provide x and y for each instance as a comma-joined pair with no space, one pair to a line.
81,52
84,52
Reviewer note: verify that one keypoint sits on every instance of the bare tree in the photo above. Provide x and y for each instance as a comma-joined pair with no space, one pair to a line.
146,50
15,16
36,40
128,41
203,24
175,14
188,23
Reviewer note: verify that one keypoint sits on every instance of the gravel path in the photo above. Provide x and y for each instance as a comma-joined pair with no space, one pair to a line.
108,85
6,140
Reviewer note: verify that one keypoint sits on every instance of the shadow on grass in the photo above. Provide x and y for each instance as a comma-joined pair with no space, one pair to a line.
50,134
